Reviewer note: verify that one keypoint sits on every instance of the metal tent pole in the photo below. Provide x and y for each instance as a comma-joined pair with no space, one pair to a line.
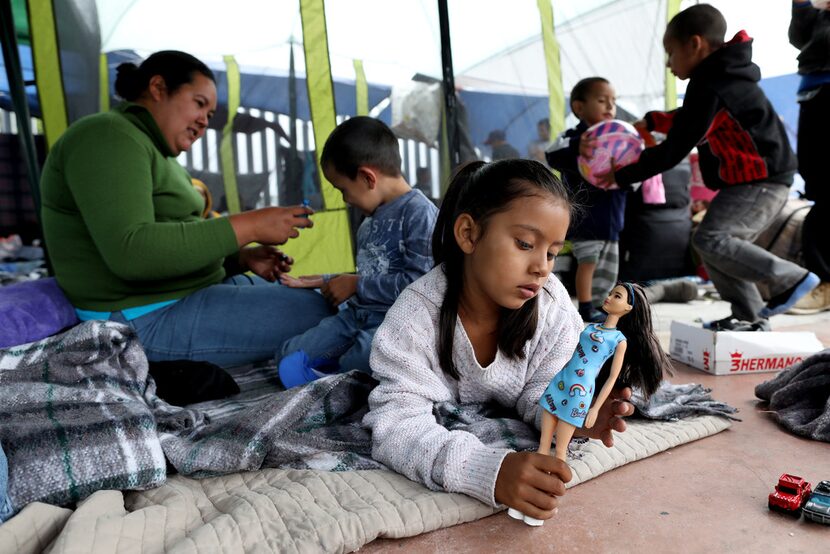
450,99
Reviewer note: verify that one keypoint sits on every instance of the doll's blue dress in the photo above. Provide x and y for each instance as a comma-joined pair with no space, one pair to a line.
570,392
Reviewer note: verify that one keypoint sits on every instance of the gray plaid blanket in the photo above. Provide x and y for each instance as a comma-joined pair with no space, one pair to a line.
79,413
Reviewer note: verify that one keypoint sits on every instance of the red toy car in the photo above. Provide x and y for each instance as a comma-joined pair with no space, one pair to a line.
790,494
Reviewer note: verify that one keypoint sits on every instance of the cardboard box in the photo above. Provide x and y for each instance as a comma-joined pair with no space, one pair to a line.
729,352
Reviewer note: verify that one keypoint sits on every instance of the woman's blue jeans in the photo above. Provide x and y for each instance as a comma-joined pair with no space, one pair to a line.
241,320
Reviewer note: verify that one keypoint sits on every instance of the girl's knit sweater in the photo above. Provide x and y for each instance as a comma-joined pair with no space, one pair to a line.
405,434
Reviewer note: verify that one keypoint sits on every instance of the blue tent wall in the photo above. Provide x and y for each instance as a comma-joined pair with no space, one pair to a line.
486,111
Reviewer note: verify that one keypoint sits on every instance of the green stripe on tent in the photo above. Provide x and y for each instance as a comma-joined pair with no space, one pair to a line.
104,83
361,89
328,247
554,68
226,147
47,69
672,7
323,248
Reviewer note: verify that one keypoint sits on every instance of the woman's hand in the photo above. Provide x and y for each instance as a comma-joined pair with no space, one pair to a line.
271,225
531,482
304,282
340,288
266,261
609,417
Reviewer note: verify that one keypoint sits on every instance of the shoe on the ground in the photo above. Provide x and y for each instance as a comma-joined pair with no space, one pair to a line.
735,324
680,290
782,302
725,324
818,300
758,325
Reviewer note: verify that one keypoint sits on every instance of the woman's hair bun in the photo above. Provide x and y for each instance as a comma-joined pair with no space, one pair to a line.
128,81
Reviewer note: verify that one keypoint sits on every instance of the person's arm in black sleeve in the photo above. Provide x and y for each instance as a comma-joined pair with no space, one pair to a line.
562,154
804,17
689,126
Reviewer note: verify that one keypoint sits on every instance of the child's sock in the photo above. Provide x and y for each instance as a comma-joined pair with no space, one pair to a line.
782,302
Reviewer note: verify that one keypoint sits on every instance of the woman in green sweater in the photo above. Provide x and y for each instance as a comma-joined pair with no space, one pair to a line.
125,235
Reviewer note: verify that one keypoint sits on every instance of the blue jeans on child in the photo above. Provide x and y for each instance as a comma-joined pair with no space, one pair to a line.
346,336
5,504
244,319
724,239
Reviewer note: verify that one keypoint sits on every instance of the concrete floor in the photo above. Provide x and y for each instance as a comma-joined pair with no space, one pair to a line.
705,496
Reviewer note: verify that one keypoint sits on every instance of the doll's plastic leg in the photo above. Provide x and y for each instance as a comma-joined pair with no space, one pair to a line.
548,425
564,434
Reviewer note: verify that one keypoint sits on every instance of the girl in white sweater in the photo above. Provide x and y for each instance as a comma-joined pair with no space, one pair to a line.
488,324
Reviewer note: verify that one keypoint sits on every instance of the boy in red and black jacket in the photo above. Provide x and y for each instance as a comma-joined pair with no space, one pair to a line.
744,153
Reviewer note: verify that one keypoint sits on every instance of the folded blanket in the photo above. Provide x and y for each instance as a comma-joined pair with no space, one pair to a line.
672,402
74,418
800,397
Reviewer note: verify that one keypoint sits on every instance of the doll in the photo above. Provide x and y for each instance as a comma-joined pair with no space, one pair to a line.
636,359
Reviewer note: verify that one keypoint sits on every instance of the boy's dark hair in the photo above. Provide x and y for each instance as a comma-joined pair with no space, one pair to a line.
703,20
175,67
644,361
361,141
483,190
583,88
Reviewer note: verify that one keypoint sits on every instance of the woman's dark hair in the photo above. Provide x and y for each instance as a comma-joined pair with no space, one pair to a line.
361,141
176,68
645,361
483,190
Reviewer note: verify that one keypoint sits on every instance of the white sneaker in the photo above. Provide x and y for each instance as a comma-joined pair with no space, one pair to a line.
532,521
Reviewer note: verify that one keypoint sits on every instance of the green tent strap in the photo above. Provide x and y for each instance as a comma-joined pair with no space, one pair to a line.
226,147
556,94
48,69
672,7
327,248
361,89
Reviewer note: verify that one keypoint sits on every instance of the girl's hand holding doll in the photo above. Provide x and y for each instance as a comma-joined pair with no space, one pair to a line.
531,482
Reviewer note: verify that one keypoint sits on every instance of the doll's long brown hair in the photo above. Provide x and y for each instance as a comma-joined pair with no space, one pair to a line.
645,361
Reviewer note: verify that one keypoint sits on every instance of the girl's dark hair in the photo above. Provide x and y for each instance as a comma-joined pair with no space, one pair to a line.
483,190
645,361
176,68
